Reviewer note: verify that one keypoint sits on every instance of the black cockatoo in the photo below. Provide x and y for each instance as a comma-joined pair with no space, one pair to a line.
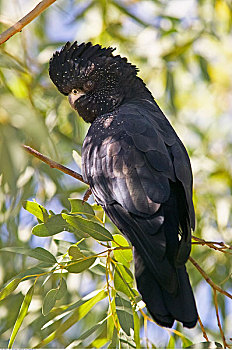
138,171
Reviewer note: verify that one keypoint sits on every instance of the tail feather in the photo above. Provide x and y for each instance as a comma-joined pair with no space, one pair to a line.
165,287
163,306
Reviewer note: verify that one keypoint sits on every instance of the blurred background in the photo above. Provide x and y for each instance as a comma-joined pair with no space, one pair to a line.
183,49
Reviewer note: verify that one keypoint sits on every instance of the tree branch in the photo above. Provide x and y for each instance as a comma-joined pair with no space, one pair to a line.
203,329
17,27
54,164
208,280
220,246
218,320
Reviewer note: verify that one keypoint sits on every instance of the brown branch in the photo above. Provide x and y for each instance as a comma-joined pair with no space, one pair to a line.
220,246
17,27
218,319
203,329
54,164
87,194
208,280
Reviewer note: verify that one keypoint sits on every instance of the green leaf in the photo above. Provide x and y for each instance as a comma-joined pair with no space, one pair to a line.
78,314
186,342
95,230
52,226
204,67
77,206
22,313
99,269
62,289
125,314
9,288
62,246
87,306
171,343
49,301
123,280
136,329
80,265
115,340
75,253
91,330
37,210
124,256
42,254
37,253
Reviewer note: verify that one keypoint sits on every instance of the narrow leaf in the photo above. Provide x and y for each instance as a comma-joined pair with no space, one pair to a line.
42,254
10,287
136,330
37,253
79,313
95,230
22,313
125,314
124,256
91,330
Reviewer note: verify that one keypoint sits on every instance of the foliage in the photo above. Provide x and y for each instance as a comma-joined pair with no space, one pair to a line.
70,283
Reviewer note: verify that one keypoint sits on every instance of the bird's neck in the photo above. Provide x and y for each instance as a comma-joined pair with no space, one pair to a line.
137,90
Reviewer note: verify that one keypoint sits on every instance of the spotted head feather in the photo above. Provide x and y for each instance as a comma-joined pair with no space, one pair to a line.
103,79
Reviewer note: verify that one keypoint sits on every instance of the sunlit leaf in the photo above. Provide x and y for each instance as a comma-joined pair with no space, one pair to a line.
22,313
136,329
36,209
78,314
123,280
124,256
9,288
92,329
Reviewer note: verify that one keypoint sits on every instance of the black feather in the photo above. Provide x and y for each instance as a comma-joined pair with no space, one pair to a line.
138,171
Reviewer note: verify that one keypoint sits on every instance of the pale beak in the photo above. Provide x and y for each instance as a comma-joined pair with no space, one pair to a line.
73,97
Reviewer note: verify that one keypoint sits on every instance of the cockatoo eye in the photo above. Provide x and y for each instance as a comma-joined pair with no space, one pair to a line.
75,91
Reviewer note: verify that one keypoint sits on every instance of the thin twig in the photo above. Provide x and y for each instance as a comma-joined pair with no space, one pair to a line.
218,319
203,329
220,246
208,280
17,27
54,164
87,195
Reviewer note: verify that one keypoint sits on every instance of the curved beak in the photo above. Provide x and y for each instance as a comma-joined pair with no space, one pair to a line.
73,97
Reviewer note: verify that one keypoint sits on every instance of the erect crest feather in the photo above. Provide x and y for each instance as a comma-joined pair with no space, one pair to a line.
74,62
